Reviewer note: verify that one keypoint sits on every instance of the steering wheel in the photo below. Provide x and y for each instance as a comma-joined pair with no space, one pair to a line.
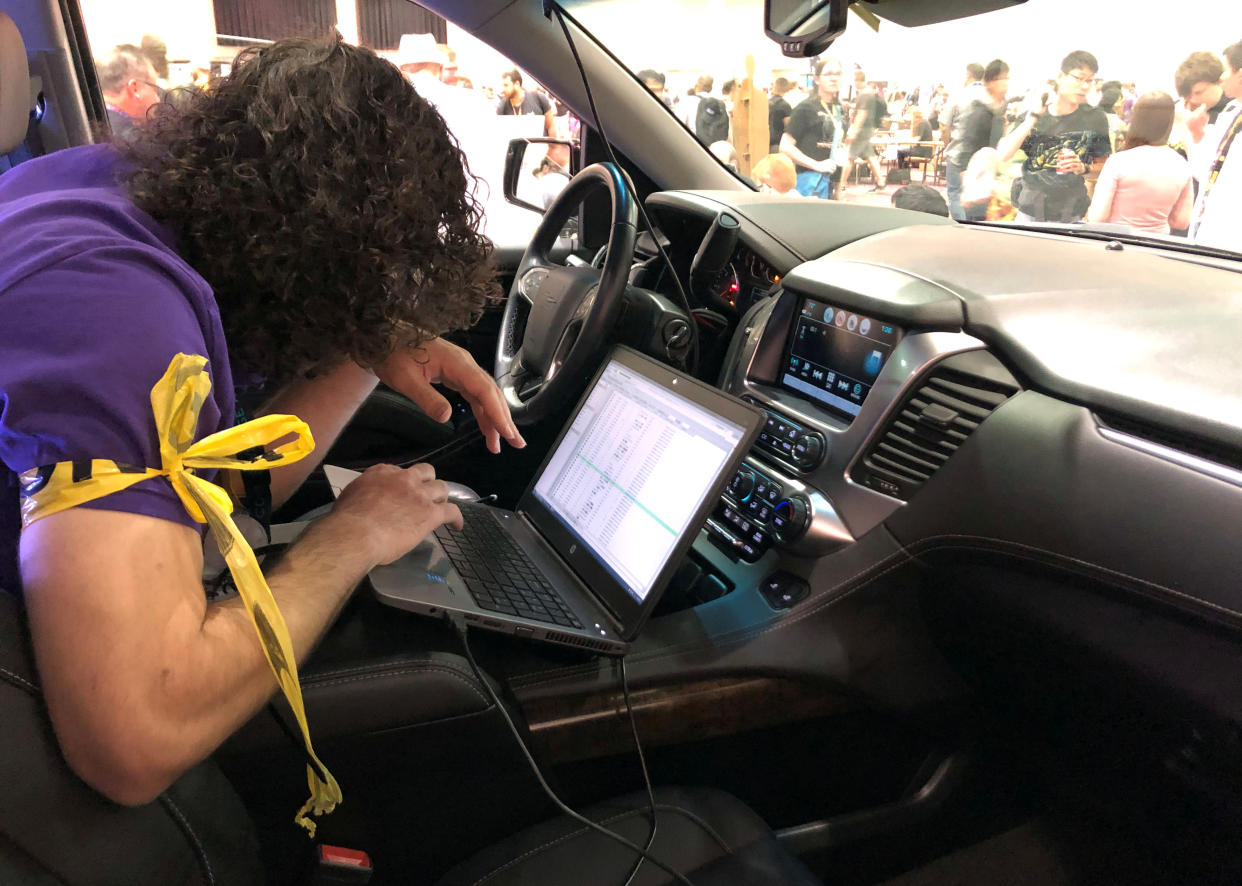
557,315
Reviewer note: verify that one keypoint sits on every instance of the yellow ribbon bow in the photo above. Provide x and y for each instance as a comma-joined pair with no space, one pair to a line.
177,399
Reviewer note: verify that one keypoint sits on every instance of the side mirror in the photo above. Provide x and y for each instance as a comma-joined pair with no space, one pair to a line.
537,169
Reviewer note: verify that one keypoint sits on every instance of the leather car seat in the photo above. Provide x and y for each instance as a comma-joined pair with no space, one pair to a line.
14,87
706,835
54,828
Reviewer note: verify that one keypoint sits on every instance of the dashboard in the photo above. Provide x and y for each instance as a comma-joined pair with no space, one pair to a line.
1034,438
905,347
983,445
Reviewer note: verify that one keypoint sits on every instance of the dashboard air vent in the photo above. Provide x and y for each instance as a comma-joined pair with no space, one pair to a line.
932,422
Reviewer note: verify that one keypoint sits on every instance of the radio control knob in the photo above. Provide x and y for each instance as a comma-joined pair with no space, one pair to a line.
790,519
814,449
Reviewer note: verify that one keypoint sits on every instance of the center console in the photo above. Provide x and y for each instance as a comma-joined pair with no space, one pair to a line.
830,359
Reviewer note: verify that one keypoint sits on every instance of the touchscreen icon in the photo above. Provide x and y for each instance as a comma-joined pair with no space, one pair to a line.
840,318
873,362
852,324
864,326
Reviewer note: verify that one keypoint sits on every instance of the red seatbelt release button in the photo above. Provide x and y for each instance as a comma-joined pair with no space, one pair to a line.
338,866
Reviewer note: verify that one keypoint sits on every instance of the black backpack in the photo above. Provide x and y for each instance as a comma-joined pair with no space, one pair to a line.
711,120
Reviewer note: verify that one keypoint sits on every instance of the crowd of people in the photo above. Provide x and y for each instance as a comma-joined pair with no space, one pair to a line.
1073,148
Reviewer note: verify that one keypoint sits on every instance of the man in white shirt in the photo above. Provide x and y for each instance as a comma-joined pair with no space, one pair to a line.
1217,218
971,90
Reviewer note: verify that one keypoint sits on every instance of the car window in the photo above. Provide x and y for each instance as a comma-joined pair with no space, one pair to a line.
1051,113
142,49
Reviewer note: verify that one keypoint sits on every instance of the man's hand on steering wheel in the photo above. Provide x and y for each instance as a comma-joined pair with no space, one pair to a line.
413,371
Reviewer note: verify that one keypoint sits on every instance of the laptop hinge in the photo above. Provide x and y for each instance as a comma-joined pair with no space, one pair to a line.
599,601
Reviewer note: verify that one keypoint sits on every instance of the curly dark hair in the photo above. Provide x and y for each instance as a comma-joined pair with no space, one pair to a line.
325,202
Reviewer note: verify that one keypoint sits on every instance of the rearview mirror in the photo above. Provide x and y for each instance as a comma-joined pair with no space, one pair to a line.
536,170
805,28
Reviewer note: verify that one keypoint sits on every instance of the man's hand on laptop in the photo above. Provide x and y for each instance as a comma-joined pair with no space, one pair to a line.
388,511
413,371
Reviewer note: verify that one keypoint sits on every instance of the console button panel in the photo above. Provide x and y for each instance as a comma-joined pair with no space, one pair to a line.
789,440
742,524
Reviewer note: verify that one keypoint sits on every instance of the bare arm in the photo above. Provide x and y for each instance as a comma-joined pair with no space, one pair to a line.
1102,201
789,148
946,124
1009,144
326,403
549,122
1183,209
143,678
860,120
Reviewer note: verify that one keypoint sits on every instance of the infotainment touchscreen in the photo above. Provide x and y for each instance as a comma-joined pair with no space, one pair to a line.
835,354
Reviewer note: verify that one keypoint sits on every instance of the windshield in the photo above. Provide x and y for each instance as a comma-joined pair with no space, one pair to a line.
1052,113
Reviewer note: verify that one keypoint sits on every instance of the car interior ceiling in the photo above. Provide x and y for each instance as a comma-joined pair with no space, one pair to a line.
1059,705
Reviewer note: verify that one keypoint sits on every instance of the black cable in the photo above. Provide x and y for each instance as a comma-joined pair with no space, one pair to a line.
462,630
693,363
642,761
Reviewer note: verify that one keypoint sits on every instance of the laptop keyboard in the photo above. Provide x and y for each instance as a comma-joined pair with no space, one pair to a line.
497,572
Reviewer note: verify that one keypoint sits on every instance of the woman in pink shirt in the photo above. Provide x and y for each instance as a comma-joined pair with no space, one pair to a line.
1146,186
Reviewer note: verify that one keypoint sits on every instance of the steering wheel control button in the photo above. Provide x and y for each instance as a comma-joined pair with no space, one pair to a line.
783,590
531,282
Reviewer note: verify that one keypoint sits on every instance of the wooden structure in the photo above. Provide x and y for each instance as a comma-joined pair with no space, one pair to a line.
749,122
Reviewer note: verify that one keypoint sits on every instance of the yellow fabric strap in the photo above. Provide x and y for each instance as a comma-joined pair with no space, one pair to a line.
177,399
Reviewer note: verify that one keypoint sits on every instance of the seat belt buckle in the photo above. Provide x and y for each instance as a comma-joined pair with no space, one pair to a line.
339,866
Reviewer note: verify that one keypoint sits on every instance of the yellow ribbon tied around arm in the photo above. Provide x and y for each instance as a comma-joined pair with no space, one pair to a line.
177,399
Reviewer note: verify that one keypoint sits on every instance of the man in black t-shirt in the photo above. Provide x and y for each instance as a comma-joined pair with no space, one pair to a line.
1063,139
778,113
869,110
516,101
815,134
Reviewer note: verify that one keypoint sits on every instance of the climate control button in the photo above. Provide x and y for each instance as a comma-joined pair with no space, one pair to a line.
790,518
742,485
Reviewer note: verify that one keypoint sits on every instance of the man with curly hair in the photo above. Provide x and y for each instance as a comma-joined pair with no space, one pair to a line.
307,227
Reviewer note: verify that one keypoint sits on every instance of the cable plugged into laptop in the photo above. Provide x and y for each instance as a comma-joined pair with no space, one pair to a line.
642,854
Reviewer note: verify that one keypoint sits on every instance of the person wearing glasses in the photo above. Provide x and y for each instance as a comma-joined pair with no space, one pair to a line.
127,80
1064,140
814,138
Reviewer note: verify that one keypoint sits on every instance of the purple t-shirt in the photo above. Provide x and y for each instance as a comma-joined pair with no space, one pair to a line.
94,304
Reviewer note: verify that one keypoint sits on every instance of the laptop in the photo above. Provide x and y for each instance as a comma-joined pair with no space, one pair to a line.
597,535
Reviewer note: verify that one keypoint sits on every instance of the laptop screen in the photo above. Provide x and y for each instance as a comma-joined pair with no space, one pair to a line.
633,470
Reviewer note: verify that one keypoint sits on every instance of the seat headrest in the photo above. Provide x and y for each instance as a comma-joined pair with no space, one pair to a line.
14,86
